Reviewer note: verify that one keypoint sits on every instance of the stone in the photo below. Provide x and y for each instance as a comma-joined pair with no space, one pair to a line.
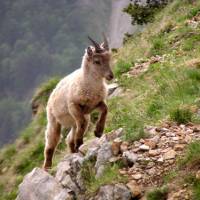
150,143
103,156
112,87
129,158
113,192
198,175
124,147
144,147
179,147
188,139
171,154
68,170
114,134
116,146
154,152
160,160
135,189
137,176
38,184
155,139
90,144
117,92
121,192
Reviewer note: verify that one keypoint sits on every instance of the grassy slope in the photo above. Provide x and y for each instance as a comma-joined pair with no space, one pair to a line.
150,98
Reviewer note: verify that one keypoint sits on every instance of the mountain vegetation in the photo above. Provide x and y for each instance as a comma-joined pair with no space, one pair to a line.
167,90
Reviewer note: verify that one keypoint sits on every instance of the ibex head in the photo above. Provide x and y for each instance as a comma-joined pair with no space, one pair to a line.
99,56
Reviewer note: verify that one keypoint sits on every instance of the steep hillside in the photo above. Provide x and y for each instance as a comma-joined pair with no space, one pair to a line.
159,72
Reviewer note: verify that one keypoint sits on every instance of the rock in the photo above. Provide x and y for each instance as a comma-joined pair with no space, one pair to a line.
121,192
154,152
137,176
188,139
124,146
39,185
90,144
68,171
155,139
150,143
114,134
144,147
113,192
112,87
116,146
160,160
103,156
179,147
136,190
117,92
129,158
169,154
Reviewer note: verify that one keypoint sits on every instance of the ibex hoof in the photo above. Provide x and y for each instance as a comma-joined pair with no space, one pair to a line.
98,134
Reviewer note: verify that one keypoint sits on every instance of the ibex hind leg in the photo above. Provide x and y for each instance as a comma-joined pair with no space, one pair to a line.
52,135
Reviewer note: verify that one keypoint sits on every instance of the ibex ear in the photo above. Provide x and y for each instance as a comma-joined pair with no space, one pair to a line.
89,52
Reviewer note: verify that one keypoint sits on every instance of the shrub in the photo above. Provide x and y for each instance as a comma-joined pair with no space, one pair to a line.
158,194
122,67
181,115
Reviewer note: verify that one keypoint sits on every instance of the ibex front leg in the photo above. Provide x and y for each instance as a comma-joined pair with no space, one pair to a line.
102,119
81,124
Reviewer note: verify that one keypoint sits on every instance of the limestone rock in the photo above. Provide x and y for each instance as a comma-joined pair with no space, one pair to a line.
129,158
116,146
144,147
68,171
170,154
113,192
103,156
134,188
38,184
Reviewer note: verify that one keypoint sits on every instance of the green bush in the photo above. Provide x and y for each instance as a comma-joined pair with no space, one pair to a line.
181,115
158,194
122,67
192,156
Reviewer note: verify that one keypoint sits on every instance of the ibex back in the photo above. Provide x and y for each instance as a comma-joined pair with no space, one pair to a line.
75,97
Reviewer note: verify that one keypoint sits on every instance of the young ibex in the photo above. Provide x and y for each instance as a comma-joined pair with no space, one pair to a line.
75,97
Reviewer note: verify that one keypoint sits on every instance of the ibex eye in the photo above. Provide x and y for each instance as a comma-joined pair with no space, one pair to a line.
97,62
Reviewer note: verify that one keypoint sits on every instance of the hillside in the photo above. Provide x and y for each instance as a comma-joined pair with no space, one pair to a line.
158,71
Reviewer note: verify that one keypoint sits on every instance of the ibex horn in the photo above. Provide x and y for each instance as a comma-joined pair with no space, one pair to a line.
105,43
96,45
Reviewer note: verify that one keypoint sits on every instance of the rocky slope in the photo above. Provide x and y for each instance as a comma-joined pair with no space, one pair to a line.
156,109
144,164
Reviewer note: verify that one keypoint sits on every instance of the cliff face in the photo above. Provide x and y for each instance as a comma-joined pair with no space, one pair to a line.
120,23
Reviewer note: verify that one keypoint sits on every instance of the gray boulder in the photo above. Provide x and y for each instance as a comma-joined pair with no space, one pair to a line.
38,184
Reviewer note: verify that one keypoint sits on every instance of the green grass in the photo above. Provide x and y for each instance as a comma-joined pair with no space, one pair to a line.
110,175
121,67
192,155
158,194
181,115
42,93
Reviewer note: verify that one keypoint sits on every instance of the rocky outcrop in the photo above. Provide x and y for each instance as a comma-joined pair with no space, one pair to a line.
145,162
68,182
38,184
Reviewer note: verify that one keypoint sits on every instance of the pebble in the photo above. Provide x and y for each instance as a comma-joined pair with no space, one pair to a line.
169,155
144,147
137,176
